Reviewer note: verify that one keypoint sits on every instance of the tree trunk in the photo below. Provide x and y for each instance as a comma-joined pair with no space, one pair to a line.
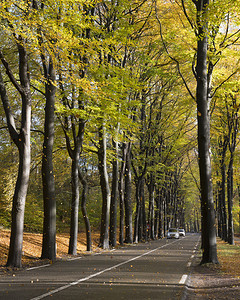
157,215
223,203
106,197
207,205
74,205
121,194
19,198
238,202
75,156
84,211
114,195
232,142
140,230
230,201
137,214
22,141
151,212
128,198
49,201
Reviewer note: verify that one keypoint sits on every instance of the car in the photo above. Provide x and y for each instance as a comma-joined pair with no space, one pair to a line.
182,232
173,233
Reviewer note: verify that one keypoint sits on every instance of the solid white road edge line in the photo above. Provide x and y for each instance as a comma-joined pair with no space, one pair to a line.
98,273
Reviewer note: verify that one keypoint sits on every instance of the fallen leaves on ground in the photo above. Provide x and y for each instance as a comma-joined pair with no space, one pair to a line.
32,247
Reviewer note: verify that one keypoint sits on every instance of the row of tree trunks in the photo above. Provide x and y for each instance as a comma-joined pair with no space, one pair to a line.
23,144
222,225
227,142
121,189
233,132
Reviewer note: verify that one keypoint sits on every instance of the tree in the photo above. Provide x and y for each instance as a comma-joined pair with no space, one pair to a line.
205,19
49,201
49,224
105,188
21,140
114,196
233,123
84,210
202,94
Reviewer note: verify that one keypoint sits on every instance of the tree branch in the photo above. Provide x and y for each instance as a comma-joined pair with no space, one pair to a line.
222,83
10,74
7,108
171,57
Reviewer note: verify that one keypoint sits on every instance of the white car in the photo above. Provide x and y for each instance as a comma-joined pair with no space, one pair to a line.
173,233
181,232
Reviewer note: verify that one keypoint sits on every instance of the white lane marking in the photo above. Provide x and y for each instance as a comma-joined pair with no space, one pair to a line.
74,258
98,273
183,279
43,266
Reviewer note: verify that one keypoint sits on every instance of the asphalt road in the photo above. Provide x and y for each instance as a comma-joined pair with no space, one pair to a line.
154,270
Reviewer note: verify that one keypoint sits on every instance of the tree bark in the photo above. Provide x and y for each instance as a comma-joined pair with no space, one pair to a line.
77,128
49,201
75,156
232,141
121,194
22,141
230,201
207,205
137,213
75,204
114,195
84,210
151,211
222,200
106,197
128,197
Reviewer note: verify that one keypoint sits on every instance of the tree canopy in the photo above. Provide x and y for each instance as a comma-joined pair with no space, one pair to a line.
113,106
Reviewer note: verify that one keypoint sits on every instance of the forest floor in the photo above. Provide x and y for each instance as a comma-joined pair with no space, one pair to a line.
32,247
205,282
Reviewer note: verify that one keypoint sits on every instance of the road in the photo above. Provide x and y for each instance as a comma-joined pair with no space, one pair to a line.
154,270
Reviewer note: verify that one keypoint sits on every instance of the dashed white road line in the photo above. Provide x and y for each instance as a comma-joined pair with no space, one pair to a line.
74,258
38,267
183,279
189,264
